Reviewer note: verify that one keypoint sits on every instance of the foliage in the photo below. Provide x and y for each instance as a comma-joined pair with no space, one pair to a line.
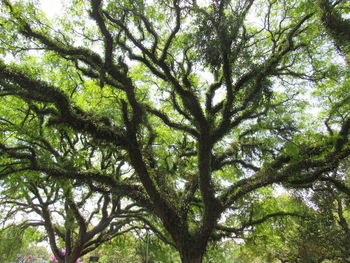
192,111
15,241
145,248
9,244
34,252
118,250
315,237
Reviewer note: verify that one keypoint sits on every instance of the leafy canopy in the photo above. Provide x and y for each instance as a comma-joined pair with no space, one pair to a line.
196,107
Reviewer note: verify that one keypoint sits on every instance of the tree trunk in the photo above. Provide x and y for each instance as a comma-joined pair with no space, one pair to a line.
68,260
191,260
191,256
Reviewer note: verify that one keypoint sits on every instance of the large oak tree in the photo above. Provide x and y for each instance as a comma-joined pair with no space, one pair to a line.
199,104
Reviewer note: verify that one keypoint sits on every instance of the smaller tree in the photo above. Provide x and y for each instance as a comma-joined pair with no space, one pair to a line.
333,217
34,253
75,219
9,243
17,242
314,237
121,249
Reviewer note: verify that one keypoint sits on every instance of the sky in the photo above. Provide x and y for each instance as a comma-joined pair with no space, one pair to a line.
51,7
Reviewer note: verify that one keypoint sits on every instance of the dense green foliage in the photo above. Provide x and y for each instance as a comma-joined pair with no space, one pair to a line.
16,242
193,112
9,244
314,237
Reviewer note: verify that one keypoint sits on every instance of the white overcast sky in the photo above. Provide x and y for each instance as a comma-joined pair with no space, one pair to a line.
55,7
51,7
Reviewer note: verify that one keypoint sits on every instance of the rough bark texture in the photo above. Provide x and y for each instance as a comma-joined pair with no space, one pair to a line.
191,257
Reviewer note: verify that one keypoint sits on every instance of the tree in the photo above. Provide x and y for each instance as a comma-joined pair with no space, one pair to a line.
9,243
320,235
199,102
33,253
137,247
16,241
314,237
120,249
75,219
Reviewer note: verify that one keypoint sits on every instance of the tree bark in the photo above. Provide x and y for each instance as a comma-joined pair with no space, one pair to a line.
191,260
68,260
191,256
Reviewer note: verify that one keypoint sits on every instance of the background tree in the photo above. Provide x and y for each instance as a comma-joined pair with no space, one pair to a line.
314,237
33,253
198,101
70,216
15,241
118,250
142,246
